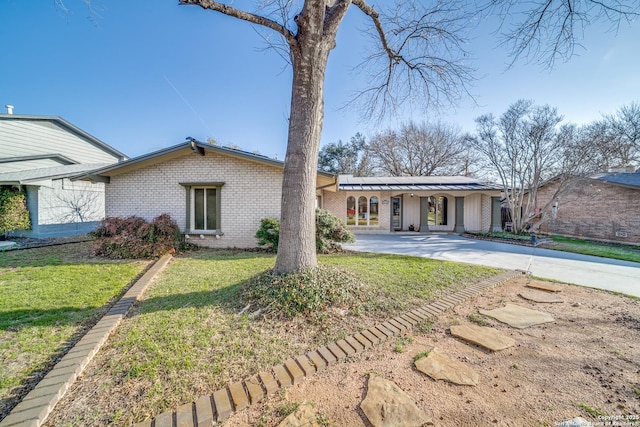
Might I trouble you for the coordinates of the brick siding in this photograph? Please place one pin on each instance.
(594, 209)
(251, 191)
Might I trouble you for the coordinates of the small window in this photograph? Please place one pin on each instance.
(373, 211)
(351, 210)
(203, 208)
(363, 216)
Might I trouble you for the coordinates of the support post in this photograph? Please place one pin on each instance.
(459, 227)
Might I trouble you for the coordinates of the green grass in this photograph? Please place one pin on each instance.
(605, 250)
(187, 337)
(591, 411)
(49, 295)
(579, 246)
(479, 319)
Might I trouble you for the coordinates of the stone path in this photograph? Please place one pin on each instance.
(386, 404)
(236, 396)
(518, 317)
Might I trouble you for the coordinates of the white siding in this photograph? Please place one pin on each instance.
(473, 212)
(69, 202)
(24, 137)
(29, 164)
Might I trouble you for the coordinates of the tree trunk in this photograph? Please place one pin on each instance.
(297, 248)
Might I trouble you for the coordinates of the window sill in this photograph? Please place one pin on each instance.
(203, 233)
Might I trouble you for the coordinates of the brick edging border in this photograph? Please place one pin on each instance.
(238, 395)
(34, 408)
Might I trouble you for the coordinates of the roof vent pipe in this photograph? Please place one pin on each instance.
(9, 109)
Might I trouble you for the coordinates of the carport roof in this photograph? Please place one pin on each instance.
(414, 183)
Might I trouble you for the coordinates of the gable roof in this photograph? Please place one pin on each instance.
(191, 146)
(29, 135)
(413, 183)
(33, 176)
(625, 179)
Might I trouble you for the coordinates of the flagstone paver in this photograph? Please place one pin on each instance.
(546, 286)
(518, 317)
(485, 337)
(303, 416)
(541, 297)
(440, 367)
(386, 404)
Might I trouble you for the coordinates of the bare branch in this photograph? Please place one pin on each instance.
(419, 57)
(547, 30)
(245, 16)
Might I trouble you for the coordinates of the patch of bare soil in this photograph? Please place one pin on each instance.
(585, 363)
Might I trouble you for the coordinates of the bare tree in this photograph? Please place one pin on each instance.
(420, 150)
(625, 133)
(419, 56)
(526, 147)
(416, 44)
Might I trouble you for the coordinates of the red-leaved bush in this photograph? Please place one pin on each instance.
(133, 237)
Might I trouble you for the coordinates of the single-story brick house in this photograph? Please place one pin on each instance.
(417, 203)
(41, 155)
(604, 206)
(219, 195)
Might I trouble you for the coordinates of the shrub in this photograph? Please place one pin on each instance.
(330, 232)
(269, 233)
(13, 211)
(133, 237)
(307, 292)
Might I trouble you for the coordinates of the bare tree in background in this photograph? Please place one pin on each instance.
(615, 139)
(526, 146)
(420, 150)
(625, 133)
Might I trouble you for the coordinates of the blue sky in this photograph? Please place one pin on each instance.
(144, 74)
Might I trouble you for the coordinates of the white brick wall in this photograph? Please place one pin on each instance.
(251, 191)
(486, 213)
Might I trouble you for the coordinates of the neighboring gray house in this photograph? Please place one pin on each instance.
(40, 154)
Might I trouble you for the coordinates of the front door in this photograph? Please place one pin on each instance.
(396, 213)
(424, 213)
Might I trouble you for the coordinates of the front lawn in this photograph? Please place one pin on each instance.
(49, 297)
(568, 244)
(587, 247)
(187, 337)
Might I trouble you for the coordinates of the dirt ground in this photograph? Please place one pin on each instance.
(586, 363)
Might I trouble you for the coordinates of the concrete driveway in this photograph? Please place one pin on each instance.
(595, 272)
